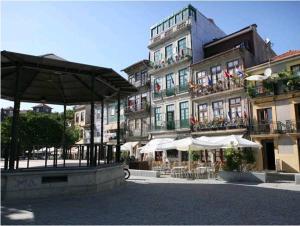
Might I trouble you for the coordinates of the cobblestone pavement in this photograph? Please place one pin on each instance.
(165, 201)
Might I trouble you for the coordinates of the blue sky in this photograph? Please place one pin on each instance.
(116, 34)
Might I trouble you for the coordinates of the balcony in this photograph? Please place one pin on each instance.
(183, 55)
(137, 108)
(274, 87)
(277, 127)
(170, 33)
(171, 125)
(198, 90)
(138, 133)
(141, 83)
(220, 124)
(171, 91)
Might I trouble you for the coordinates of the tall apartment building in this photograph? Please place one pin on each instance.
(276, 113)
(220, 103)
(175, 44)
(138, 105)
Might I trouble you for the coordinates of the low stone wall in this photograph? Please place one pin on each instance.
(48, 183)
(297, 178)
(144, 173)
(254, 177)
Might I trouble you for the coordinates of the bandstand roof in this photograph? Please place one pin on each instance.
(53, 80)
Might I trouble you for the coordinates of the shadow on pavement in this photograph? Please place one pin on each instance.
(163, 203)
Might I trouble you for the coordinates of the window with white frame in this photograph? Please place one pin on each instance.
(202, 112)
(201, 78)
(157, 115)
(216, 74)
(183, 77)
(231, 65)
(157, 56)
(295, 69)
(218, 110)
(235, 108)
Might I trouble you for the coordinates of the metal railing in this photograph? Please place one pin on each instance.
(53, 156)
(143, 106)
(171, 91)
(220, 124)
(144, 132)
(197, 90)
(141, 83)
(183, 54)
(171, 125)
(277, 127)
(274, 87)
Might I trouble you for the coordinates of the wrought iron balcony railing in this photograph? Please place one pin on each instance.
(142, 107)
(277, 127)
(171, 91)
(183, 54)
(220, 124)
(274, 87)
(171, 125)
(198, 90)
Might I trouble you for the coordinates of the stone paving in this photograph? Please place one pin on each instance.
(165, 201)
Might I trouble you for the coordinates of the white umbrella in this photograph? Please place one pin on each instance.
(238, 141)
(153, 145)
(188, 144)
(129, 146)
(256, 78)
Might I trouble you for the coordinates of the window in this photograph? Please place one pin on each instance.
(160, 28)
(235, 108)
(185, 14)
(218, 110)
(154, 31)
(157, 116)
(296, 69)
(144, 77)
(157, 56)
(168, 53)
(178, 18)
(264, 115)
(184, 110)
(112, 110)
(169, 81)
(181, 46)
(172, 21)
(157, 85)
(216, 74)
(183, 77)
(166, 25)
(131, 79)
(201, 78)
(137, 76)
(231, 66)
(202, 112)
(82, 116)
(77, 117)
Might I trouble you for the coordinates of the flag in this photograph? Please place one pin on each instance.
(245, 114)
(209, 81)
(172, 80)
(266, 115)
(237, 114)
(157, 86)
(229, 115)
(227, 74)
(239, 72)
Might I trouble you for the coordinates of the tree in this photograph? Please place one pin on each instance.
(40, 129)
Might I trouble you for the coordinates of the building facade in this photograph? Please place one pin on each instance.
(175, 44)
(219, 99)
(275, 108)
(42, 108)
(138, 105)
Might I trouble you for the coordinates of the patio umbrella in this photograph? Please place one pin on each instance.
(129, 146)
(238, 142)
(189, 144)
(256, 78)
(154, 144)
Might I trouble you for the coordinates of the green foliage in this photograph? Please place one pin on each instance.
(38, 128)
(237, 160)
(195, 156)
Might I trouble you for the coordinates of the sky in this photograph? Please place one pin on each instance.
(116, 34)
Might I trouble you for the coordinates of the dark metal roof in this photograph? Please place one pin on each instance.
(129, 69)
(42, 105)
(234, 34)
(56, 81)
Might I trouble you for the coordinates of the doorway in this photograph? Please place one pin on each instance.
(268, 155)
(170, 117)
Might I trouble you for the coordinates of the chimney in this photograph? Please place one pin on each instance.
(211, 20)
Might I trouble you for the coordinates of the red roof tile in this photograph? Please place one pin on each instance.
(290, 53)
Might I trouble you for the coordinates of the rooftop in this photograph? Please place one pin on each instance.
(42, 105)
(290, 53)
(135, 65)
